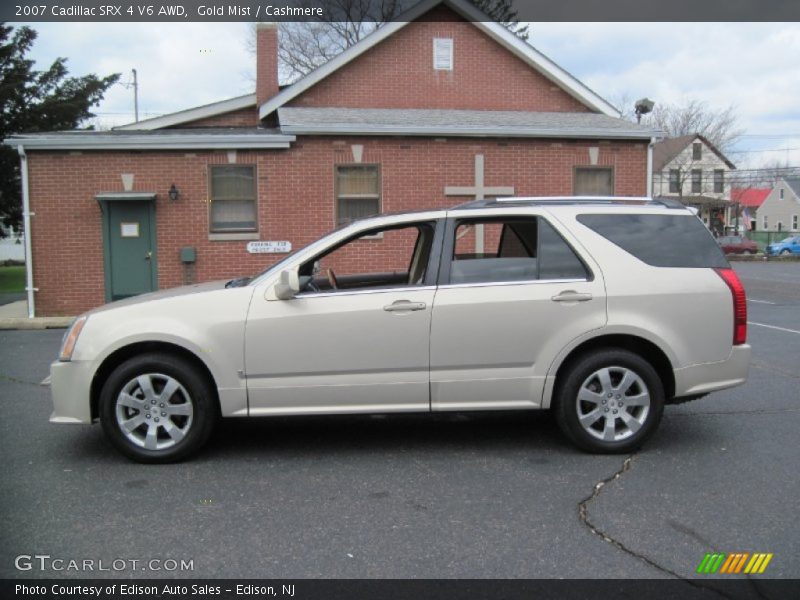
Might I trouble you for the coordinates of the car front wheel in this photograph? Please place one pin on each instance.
(609, 401)
(157, 408)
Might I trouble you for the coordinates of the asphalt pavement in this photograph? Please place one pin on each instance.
(463, 495)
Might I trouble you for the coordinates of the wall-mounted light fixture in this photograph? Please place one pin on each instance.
(173, 193)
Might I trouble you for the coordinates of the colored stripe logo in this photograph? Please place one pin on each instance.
(736, 562)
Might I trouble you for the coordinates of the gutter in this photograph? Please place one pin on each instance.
(649, 184)
(26, 216)
(436, 131)
(153, 142)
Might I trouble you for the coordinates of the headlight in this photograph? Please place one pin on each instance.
(68, 345)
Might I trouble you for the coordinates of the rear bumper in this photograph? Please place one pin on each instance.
(712, 377)
(70, 384)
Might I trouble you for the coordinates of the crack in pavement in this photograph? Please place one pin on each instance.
(583, 514)
(773, 369)
(10, 379)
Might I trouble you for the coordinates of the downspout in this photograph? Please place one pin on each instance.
(26, 216)
(649, 186)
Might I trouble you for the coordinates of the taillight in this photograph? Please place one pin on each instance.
(730, 277)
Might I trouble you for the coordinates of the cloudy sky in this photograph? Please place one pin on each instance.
(753, 66)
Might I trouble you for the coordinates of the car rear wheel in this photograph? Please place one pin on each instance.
(609, 401)
(157, 408)
(786, 251)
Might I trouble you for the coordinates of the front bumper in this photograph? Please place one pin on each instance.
(712, 377)
(70, 385)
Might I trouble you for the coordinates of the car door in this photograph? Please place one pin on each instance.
(354, 341)
(501, 315)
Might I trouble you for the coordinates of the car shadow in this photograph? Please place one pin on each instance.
(344, 434)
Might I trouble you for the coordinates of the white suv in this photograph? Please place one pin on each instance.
(602, 309)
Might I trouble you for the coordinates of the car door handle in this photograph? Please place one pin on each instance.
(571, 296)
(403, 306)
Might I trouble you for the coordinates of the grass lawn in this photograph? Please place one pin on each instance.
(12, 279)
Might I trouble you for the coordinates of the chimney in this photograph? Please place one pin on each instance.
(266, 61)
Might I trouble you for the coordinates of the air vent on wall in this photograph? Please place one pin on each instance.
(443, 54)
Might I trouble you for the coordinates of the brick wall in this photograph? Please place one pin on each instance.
(398, 73)
(295, 199)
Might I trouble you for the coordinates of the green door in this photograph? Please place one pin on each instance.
(130, 251)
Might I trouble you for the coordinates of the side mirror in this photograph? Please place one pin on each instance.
(288, 285)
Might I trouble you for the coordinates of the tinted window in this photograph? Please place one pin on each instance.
(556, 258)
(660, 240)
(511, 250)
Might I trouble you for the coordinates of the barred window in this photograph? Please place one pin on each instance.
(358, 192)
(232, 198)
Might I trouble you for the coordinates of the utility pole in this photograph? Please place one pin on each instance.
(135, 96)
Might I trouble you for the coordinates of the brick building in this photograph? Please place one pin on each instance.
(427, 112)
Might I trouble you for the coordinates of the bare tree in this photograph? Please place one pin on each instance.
(305, 46)
(719, 126)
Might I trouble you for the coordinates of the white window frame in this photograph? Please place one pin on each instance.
(441, 45)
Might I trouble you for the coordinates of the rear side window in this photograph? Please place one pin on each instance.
(506, 250)
(660, 240)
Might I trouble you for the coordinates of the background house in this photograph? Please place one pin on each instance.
(438, 108)
(780, 210)
(748, 201)
(693, 170)
(12, 245)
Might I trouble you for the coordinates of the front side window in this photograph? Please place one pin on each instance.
(697, 181)
(507, 250)
(232, 201)
(358, 192)
(719, 181)
(594, 181)
(674, 181)
(380, 258)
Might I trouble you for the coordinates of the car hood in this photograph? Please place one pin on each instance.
(185, 290)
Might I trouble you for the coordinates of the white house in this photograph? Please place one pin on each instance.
(781, 210)
(12, 245)
(694, 171)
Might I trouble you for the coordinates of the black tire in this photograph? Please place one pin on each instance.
(567, 407)
(194, 390)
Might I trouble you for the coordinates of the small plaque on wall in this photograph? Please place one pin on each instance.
(129, 230)
(272, 247)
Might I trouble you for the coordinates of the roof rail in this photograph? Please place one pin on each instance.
(571, 200)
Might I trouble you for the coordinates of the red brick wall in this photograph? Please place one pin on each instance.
(295, 199)
(244, 117)
(398, 73)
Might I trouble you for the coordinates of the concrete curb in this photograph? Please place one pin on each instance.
(762, 258)
(36, 323)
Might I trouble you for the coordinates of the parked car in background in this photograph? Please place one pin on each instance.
(577, 305)
(789, 245)
(736, 244)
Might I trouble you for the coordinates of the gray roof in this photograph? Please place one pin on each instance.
(476, 123)
(794, 183)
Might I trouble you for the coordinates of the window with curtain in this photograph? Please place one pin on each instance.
(594, 181)
(232, 198)
(358, 192)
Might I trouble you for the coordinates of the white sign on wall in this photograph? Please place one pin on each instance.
(271, 247)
